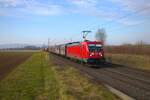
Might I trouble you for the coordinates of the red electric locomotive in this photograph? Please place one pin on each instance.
(90, 52)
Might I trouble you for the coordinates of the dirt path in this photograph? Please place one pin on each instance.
(9, 61)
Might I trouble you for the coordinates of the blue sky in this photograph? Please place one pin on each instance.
(34, 21)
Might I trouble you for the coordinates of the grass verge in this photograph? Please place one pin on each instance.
(75, 86)
(136, 61)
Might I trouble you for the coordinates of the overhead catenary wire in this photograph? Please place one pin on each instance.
(117, 29)
(126, 16)
(118, 19)
(129, 14)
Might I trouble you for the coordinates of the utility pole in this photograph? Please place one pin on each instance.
(85, 33)
(70, 39)
(48, 43)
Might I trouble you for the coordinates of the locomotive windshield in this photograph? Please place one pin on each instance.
(95, 47)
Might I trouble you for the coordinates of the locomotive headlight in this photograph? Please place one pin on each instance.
(91, 54)
(100, 54)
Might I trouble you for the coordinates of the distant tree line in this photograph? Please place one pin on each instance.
(140, 48)
(24, 48)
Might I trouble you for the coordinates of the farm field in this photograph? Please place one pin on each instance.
(130, 60)
(10, 60)
(39, 78)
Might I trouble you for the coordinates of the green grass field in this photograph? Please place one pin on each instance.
(29, 80)
(38, 78)
(136, 61)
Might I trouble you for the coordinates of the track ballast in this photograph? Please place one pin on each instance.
(133, 82)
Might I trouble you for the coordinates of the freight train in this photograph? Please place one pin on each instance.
(90, 52)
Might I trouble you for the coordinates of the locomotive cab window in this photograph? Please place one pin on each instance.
(95, 47)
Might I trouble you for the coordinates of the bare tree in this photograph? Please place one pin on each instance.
(101, 35)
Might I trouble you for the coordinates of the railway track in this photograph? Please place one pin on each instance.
(133, 82)
(130, 86)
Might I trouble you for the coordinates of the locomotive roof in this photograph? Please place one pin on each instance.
(78, 42)
(73, 42)
(88, 41)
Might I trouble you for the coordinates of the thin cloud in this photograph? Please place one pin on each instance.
(11, 3)
(140, 9)
(46, 10)
(138, 6)
(86, 7)
(129, 22)
(83, 3)
(29, 7)
(93, 8)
